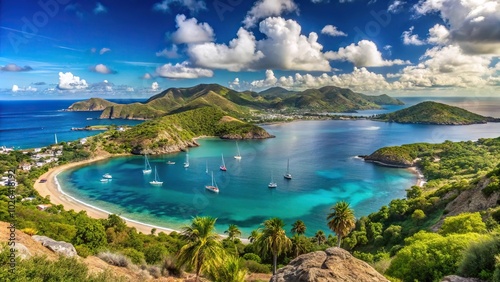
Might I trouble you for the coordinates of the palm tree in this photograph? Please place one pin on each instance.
(254, 235)
(341, 220)
(320, 237)
(232, 232)
(273, 239)
(203, 248)
(299, 227)
(299, 245)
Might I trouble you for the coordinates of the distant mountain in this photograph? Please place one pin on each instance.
(241, 104)
(435, 113)
(92, 104)
(276, 92)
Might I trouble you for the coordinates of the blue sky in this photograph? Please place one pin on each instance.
(133, 48)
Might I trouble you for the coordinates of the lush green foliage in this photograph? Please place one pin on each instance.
(433, 113)
(273, 240)
(479, 259)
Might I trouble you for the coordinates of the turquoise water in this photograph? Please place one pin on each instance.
(322, 162)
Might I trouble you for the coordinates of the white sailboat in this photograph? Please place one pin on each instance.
(223, 165)
(186, 163)
(272, 184)
(147, 166)
(213, 187)
(107, 176)
(157, 179)
(238, 156)
(288, 175)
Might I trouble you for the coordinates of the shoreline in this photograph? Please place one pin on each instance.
(57, 196)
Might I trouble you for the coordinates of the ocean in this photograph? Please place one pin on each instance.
(322, 158)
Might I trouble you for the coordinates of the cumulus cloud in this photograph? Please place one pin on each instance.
(448, 66)
(363, 54)
(15, 68)
(104, 50)
(239, 54)
(359, 80)
(101, 86)
(190, 31)
(100, 9)
(68, 81)
(284, 47)
(332, 31)
(182, 71)
(15, 88)
(235, 84)
(439, 35)
(100, 68)
(155, 86)
(411, 39)
(396, 6)
(192, 5)
(169, 53)
(146, 76)
(267, 8)
(472, 24)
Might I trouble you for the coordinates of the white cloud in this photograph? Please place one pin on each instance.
(192, 5)
(104, 50)
(190, 31)
(100, 68)
(170, 54)
(267, 8)
(411, 39)
(439, 35)
(235, 84)
(155, 86)
(332, 31)
(396, 6)
(146, 76)
(68, 81)
(15, 88)
(448, 66)
(182, 71)
(239, 54)
(363, 54)
(472, 24)
(284, 47)
(359, 80)
(100, 9)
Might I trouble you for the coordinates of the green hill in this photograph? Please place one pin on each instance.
(92, 104)
(240, 104)
(176, 132)
(434, 113)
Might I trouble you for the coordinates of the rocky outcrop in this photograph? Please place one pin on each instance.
(454, 278)
(22, 251)
(59, 247)
(333, 264)
(260, 134)
(389, 160)
(471, 200)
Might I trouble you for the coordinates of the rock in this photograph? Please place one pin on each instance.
(22, 251)
(334, 264)
(59, 247)
(454, 278)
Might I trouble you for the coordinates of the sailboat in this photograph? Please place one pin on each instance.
(147, 166)
(157, 179)
(287, 174)
(55, 138)
(223, 165)
(272, 184)
(213, 187)
(238, 157)
(186, 163)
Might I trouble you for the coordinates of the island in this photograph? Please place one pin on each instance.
(434, 113)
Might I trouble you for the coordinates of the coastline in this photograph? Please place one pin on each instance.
(52, 189)
(421, 181)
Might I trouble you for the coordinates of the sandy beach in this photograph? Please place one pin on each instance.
(57, 197)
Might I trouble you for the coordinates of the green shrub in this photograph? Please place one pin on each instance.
(134, 255)
(256, 267)
(83, 251)
(479, 259)
(252, 256)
